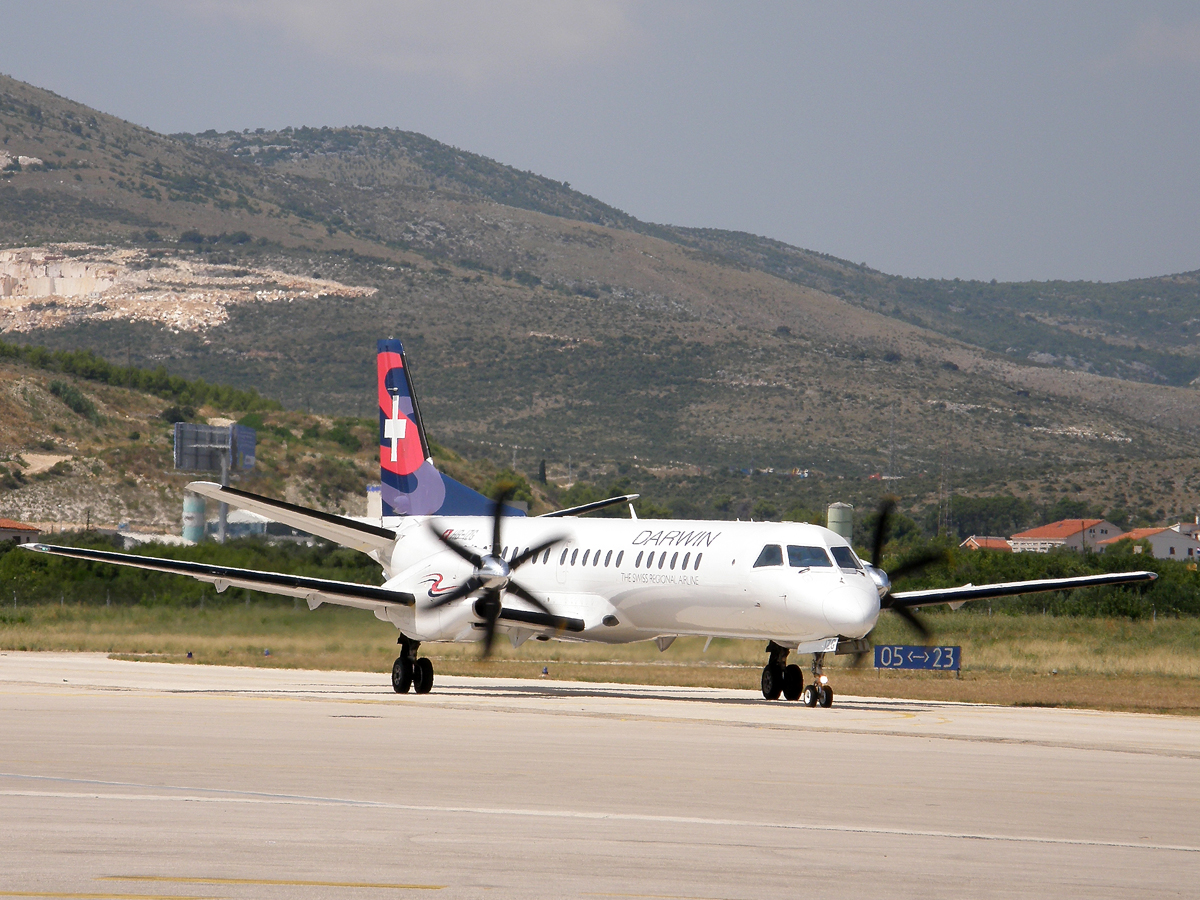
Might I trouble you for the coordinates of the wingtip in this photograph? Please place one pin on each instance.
(201, 487)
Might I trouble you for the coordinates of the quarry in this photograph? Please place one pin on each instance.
(55, 285)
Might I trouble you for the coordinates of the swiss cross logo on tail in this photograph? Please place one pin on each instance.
(410, 484)
(401, 449)
(395, 427)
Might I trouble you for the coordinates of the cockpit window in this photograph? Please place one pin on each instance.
(772, 555)
(804, 557)
(846, 559)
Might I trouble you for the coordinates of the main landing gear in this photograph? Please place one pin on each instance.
(409, 671)
(778, 677)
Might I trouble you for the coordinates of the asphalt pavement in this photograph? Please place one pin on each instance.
(122, 779)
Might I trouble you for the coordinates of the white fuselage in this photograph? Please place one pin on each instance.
(637, 579)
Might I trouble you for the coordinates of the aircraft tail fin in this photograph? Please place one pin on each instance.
(411, 483)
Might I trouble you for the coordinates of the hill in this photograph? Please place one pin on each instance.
(1142, 330)
(84, 443)
(542, 323)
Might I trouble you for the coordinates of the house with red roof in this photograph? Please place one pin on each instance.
(979, 542)
(1165, 543)
(11, 530)
(1078, 534)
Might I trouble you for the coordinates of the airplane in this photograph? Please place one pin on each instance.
(458, 566)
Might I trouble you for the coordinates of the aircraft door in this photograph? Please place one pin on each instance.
(766, 595)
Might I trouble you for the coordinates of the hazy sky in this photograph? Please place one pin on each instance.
(1010, 141)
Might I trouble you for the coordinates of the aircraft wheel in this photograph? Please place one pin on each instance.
(422, 681)
(825, 696)
(772, 682)
(810, 695)
(793, 682)
(402, 675)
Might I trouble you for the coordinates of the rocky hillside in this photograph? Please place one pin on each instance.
(85, 443)
(544, 322)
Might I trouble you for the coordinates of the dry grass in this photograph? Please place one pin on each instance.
(1009, 660)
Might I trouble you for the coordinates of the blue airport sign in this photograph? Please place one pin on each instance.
(898, 656)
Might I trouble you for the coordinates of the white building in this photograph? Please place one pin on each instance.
(1078, 534)
(1165, 543)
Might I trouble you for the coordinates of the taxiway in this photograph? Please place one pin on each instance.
(122, 779)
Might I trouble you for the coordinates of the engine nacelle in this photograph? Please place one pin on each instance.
(883, 584)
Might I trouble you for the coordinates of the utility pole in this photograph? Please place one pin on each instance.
(223, 508)
(891, 470)
(942, 504)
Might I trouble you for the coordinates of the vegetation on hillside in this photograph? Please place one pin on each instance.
(543, 324)
(87, 365)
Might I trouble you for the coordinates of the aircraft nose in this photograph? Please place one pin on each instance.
(852, 610)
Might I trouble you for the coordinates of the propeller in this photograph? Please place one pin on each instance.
(884, 580)
(493, 574)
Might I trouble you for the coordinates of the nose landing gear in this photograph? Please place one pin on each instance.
(778, 677)
(821, 692)
(409, 671)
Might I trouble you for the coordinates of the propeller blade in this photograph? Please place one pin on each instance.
(881, 529)
(497, 514)
(532, 552)
(513, 588)
(469, 586)
(914, 622)
(917, 563)
(458, 548)
(488, 608)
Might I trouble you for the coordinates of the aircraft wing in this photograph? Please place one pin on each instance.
(313, 590)
(958, 595)
(339, 529)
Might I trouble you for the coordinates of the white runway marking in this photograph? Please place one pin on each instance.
(192, 795)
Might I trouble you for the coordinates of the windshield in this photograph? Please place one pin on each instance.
(771, 555)
(804, 557)
(845, 558)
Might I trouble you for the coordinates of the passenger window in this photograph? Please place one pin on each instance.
(674, 556)
(686, 557)
(636, 563)
(585, 556)
(596, 558)
(650, 560)
(504, 552)
(699, 556)
(574, 556)
(662, 558)
(563, 559)
(771, 555)
(607, 558)
(803, 557)
(620, 556)
(546, 558)
(846, 559)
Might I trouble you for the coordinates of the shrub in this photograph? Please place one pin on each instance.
(74, 400)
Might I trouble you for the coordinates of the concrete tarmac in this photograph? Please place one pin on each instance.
(153, 780)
